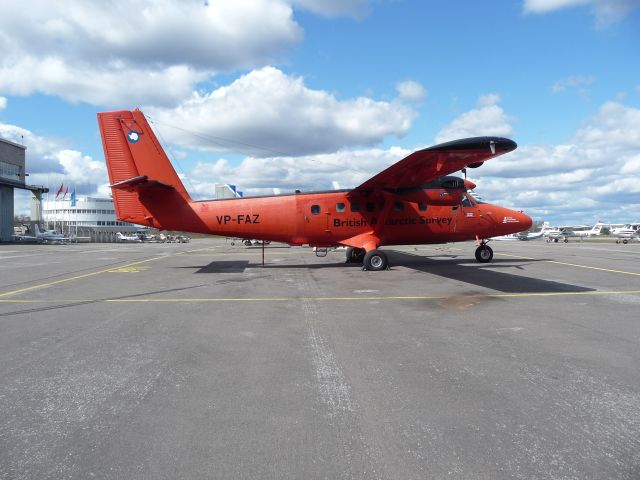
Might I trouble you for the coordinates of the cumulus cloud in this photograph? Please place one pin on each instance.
(3, 103)
(49, 163)
(411, 90)
(591, 176)
(99, 51)
(572, 82)
(606, 12)
(266, 113)
(256, 176)
(488, 119)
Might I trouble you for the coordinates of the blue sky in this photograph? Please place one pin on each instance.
(318, 94)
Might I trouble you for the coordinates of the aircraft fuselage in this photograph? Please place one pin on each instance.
(330, 219)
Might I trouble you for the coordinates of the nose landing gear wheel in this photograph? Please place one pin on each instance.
(375, 260)
(484, 254)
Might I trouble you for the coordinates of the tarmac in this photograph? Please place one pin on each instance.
(166, 361)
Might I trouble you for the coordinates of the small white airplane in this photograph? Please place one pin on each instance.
(127, 238)
(554, 234)
(519, 236)
(48, 236)
(627, 232)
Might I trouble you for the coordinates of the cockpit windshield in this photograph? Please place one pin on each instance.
(468, 202)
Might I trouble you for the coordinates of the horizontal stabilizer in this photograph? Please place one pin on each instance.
(141, 182)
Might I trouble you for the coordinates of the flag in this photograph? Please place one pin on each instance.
(73, 197)
(60, 190)
(65, 192)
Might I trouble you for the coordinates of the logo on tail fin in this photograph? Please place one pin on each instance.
(133, 136)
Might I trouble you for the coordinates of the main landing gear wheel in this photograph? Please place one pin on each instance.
(375, 260)
(484, 254)
(355, 255)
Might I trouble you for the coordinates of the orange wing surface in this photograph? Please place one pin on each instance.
(437, 161)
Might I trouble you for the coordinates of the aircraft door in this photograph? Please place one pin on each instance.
(470, 217)
(316, 220)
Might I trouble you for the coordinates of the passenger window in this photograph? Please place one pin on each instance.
(370, 206)
(381, 205)
(340, 207)
(398, 206)
(422, 207)
(355, 207)
(315, 209)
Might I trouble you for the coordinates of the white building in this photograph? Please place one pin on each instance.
(91, 218)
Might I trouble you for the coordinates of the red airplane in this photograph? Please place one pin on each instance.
(411, 202)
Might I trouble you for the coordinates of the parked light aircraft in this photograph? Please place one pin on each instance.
(522, 236)
(626, 232)
(554, 234)
(127, 238)
(47, 236)
(411, 202)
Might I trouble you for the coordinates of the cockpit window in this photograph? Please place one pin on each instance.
(467, 202)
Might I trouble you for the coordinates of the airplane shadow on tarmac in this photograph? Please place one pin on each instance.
(462, 269)
(466, 270)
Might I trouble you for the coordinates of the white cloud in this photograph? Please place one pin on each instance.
(257, 176)
(488, 119)
(81, 169)
(3, 103)
(606, 11)
(266, 112)
(411, 90)
(97, 51)
(571, 82)
(592, 176)
(49, 163)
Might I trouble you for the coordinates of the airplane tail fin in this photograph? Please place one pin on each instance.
(142, 179)
(37, 229)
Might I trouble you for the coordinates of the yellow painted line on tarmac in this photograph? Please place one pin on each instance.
(572, 264)
(593, 268)
(77, 277)
(367, 298)
(326, 299)
(519, 257)
(8, 300)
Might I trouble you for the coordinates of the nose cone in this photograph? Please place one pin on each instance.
(513, 221)
(525, 220)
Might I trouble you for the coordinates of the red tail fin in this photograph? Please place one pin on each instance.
(139, 171)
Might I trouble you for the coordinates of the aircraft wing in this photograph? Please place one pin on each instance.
(425, 165)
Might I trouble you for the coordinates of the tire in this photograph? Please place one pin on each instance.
(625, 241)
(484, 254)
(375, 260)
(247, 243)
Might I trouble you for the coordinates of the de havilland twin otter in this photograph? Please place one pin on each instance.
(412, 202)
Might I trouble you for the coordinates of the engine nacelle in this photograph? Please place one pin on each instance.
(444, 191)
(436, 196)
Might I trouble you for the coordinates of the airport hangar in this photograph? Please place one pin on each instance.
(12, 176)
